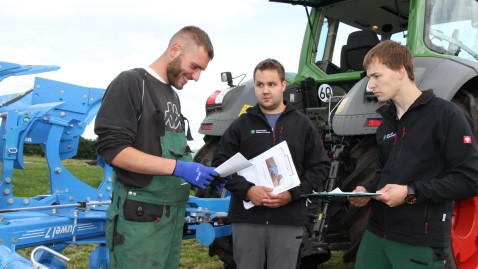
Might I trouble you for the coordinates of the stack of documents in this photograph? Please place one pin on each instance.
(273, 168)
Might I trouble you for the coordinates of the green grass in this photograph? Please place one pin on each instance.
(34, 180)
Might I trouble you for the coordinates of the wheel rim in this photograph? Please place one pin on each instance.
(464, 233)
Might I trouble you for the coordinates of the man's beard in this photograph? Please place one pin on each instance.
(174, 73)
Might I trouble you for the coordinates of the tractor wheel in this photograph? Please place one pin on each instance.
(206, 152)
(222, 246)
(365, 165)
(204, 156)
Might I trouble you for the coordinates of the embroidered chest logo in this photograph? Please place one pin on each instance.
(171, 116)
(388, 136)
(264, 131)
(467, 139)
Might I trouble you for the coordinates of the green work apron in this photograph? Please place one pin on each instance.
(144, 227)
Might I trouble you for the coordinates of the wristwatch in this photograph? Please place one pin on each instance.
(411, 198)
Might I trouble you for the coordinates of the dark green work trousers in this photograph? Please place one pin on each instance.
(376, 252)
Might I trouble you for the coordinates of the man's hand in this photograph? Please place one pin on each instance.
(392, 194)
(257, 194)
(359, 201)
(277, 200)
(195, 173)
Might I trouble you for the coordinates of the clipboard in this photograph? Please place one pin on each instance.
(342, 194)
(339, 193)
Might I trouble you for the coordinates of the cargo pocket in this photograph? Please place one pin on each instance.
(138, 211)
(112, 216)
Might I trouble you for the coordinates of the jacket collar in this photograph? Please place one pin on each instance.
(257, 110)
(391, 109)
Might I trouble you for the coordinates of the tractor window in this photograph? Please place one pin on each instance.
(332, 38)
(452, 28)
(342, 35)
(322, 40)
(333, 35)
(400, 37)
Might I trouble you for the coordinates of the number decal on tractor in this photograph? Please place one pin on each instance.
(324, 92)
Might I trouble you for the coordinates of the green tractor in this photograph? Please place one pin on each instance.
(330, 87)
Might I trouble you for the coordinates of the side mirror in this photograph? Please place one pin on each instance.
(227, 77)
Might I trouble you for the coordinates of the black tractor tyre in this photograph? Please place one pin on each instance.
(206, 152)
(364, 156)
(204, 156)
(468, 102)
(222, 246)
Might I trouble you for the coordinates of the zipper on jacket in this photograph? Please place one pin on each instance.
(426, 218)
(400, 143)
(280, 133)
(402, 140)
(274, 140)
(393, 150)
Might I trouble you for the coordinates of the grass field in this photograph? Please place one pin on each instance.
(34, 180)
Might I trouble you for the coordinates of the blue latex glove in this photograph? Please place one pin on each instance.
(195, 173)
(220, 186)
(220, 182)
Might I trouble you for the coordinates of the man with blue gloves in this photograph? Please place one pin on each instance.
(141, 133)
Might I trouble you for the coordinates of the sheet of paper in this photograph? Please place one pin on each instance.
(248, 205)
(231, 166)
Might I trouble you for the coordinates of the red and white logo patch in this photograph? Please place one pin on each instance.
(467, 139)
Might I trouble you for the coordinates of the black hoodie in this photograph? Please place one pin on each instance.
(251, 135)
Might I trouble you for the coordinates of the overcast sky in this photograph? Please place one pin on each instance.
(93, 41)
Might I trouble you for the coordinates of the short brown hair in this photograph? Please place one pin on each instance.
(197, 35)
(270, 64)
(391, 54)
